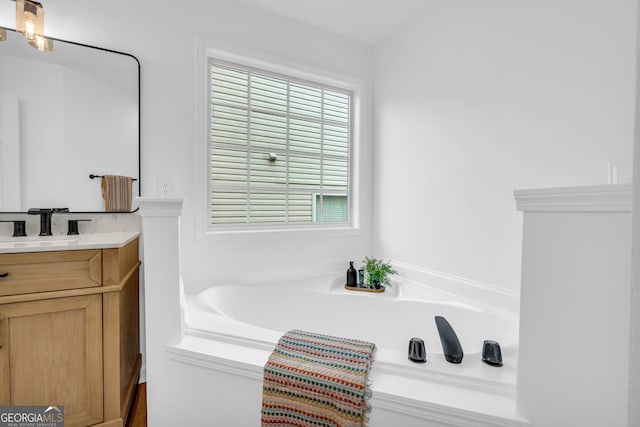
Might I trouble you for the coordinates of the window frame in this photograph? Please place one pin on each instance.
(297, 73)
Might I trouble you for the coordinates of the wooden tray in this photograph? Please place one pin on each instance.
(351, 288)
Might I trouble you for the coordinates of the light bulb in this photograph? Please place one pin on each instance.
(42, 43)
(29, 27)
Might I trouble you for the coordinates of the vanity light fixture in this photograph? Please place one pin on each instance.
(29, 18)
(30, 23)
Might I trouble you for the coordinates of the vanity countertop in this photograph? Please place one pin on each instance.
(66, 243)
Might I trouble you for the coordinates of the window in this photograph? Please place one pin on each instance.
(279, 149)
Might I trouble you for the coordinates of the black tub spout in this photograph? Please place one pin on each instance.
(450, 344)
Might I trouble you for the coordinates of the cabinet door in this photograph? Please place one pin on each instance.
(51, 354)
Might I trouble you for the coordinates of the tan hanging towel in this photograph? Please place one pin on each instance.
(116, 191)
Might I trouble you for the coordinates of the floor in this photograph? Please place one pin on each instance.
(138, 415)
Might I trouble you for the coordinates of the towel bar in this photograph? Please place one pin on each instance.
(92, 176)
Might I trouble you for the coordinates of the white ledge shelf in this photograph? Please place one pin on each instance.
(595, 198)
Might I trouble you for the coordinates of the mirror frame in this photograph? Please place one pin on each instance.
(139, 177)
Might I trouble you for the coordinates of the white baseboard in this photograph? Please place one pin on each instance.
(143, 374)
(463, 287)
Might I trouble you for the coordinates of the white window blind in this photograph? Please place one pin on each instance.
(279, 148)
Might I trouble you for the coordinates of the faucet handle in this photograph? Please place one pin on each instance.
(19, 228)
(73, 226)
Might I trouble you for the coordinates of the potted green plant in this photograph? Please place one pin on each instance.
(377, 272)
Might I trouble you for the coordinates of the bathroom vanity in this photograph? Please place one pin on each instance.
(69, 325)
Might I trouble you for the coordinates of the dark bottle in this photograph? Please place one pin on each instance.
(352, 276)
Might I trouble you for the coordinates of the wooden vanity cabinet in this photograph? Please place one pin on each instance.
(74, 345)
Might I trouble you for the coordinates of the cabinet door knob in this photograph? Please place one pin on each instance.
(3, 275)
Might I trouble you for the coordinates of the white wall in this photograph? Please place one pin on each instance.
(163, 36)
(9, 152)
(634, 333)
(55, 123)
(102, 138)
(41, 101)
(476, 99)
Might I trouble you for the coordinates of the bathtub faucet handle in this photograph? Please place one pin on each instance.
(417, 350)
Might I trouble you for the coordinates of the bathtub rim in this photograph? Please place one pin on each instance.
(445, 378)
(211, 355)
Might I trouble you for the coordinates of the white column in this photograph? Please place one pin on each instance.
(164, 315)
(574, 318)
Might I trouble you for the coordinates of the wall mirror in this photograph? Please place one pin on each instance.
(66, 115)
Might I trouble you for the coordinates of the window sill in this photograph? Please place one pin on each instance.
(291, 232)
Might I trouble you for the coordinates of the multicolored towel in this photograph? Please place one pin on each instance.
(317, 380)
(116, 191)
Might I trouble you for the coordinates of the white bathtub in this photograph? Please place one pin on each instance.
(255, 316)
(388, 319)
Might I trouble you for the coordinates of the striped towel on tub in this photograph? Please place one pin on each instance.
(317, 380)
